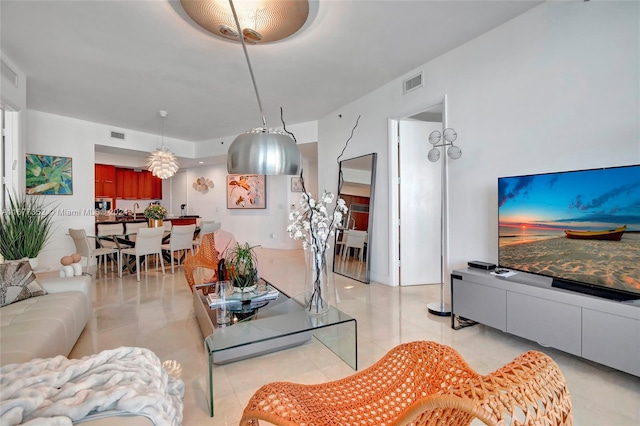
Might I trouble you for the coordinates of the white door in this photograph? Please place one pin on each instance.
(419, 200)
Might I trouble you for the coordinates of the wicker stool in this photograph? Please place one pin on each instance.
(421, 383)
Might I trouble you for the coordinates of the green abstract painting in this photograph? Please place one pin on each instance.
(49, 175)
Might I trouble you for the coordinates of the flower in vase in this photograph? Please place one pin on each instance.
(314, 225)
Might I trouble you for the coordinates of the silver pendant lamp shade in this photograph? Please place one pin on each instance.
(265, 152)
(262, 151)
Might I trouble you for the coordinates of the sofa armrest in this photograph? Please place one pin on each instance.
(55, 284)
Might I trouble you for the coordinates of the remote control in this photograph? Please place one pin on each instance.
(501, 271)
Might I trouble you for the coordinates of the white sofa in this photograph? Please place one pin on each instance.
(48, 325)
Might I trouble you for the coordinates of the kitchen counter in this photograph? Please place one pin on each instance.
(139, 218)
(120, 219)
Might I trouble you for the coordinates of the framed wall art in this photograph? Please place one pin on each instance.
(246, 192)
(296, 184)
(49, 175)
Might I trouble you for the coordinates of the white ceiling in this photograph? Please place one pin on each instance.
(119, 62)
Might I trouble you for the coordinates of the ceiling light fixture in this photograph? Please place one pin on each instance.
(262, 21)
(262, 150)
(162, 163)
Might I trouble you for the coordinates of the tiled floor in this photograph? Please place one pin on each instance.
(157, 313)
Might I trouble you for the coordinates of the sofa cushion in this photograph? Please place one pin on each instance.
(17, 282)
(42, 327)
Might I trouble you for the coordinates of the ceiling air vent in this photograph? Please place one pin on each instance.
(9, 74)
(117, 135)
(412, 83)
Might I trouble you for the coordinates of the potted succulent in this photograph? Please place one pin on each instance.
(155, 214)
(242, 267)
(25, 227)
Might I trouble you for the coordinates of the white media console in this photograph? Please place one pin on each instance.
(601, 330)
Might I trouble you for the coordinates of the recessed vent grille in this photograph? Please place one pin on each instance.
(117, 135)
(412, 83)
(9, 74)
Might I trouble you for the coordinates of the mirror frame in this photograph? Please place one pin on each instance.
(374, 158)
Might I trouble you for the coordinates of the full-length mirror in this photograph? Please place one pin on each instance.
(356, 186)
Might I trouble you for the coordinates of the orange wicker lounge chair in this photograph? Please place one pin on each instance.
(422, 383)
(206, 257)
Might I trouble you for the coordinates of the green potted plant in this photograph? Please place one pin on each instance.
(155, 214)
(242, 266)
(25, 227)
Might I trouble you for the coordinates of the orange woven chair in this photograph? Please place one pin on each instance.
(206, 257)
(421, 383)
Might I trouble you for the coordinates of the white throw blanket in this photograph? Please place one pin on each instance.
(57, 391)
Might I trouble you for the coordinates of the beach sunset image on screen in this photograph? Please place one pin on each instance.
(582, 226)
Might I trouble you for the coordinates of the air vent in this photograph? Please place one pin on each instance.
(117, 135)
(9, 74)
(412, 83)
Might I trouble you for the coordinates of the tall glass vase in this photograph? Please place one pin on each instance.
(317, 283)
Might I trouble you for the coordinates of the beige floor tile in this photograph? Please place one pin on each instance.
(157, 313)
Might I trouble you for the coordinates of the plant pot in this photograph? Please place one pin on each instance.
(33, 261)
(155, 223)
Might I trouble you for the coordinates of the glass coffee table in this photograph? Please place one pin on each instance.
(280, 324)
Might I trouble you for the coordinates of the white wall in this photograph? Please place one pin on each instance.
(63, 136)
(554, 89)
(50, 134)
(266, 227)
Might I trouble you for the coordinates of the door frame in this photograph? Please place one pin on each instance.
(393, 123)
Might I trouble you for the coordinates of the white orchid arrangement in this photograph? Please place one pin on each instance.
(312, 222)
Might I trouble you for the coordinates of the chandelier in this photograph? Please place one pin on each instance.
(162, 163)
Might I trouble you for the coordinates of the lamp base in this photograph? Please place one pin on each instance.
(437, 308)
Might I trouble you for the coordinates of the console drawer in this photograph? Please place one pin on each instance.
(544, 321)
(486, 305)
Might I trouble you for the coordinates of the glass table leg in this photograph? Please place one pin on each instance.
(209, 354)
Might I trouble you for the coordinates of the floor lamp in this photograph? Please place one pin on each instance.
(442, 140)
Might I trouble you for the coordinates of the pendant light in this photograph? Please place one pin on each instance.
(162, 163)
(262, 150)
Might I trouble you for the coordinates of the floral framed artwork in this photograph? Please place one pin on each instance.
(48, 175)
(246, 192)
(296, 184)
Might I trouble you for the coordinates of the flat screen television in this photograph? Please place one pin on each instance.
(581, 228)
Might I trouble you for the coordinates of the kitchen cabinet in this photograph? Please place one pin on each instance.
(135, 184)
(149, 186)
(358, 215)
(105, 181)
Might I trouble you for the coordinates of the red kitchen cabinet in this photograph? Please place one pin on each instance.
(105, 181)
(137, 185)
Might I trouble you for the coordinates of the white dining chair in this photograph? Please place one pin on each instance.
(206, 227)
(167, 225)
(148, 241)
(131, 229)
(181, 241)
(85, 249)
(107, 231)
(355, 240)
(341, 239)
